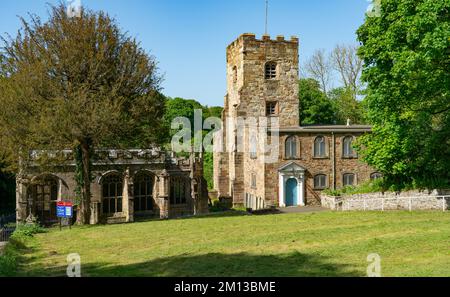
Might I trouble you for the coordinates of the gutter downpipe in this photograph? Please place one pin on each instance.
(334, 159)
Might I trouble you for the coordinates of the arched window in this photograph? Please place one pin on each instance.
(180, 189)
(270, 70)
(290, 147)
(375, 175)
(320, 181)
(143, 192)
(349, 179)
(112, 186)
(347, 148)
(319, 147)
(45, 194)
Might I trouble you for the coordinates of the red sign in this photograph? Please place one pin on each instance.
(64, 203)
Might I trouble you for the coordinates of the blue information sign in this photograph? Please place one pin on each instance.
(64, 210)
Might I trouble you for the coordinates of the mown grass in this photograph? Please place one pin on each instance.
(313, 244)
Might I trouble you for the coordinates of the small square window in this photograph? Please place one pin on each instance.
(320, 181)
(271, 108)
(349, 179)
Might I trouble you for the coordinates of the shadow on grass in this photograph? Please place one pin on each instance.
(218, 265)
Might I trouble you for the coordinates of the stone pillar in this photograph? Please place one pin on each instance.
(22, 206)
(125, 196)
(164, 205)
(131, 200)
(195, 196)
(94, 220)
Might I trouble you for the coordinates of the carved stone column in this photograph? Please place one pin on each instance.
(22, 205)
(125, 196)
(164, 205)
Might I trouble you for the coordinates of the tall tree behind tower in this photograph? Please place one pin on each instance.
(77, 82)
(319, 68)
(347, 63)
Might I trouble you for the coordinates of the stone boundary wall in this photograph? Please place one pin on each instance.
(410, 200)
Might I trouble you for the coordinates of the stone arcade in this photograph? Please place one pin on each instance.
(262, 81)
(127, 184)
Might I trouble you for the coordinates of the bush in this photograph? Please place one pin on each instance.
(218, 206)
(17, 242)
(25, 230)
(367, 187)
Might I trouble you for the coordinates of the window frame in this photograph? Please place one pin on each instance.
(273, 104)
(375, 173)
(147, 196)
(352, 155)
(325, 150)
(179, 184)
(344, 175)
(118, 197)
(270, 70)
(292, 139)
(316, 187)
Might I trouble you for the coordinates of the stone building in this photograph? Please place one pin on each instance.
(262, 81)
(126, 184)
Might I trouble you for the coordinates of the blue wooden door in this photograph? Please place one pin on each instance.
(291, 192)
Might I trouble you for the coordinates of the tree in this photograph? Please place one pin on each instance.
(314, 105)
(179, 107)
(347, 106)
(406, 53)
(319, 68)
(347, 63)
(77, 82)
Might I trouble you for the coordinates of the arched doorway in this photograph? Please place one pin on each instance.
(291, 192)
(44, 195)
(291, 185)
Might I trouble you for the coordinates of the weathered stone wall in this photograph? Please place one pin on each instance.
(127, 168)
(305, 158)
(248, 91)
(408, 200)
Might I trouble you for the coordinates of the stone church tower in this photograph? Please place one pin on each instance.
(262, 81)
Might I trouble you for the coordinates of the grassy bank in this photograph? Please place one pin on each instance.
(314, 244)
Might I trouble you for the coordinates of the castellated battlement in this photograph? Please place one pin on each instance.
(264, 38)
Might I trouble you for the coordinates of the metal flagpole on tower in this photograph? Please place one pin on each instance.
(267, 15)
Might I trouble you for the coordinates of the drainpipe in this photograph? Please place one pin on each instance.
(333, 160)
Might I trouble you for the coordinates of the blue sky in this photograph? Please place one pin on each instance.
(188, 38)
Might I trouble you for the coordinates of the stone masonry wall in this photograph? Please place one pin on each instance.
(314, 166)
(408, 200)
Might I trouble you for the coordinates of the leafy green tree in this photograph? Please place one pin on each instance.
(179, 107)
(213, 111)
(406, 53)
(314, 105)
(77, 82)
(346, 106)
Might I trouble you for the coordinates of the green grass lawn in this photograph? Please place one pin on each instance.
(311, 244)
